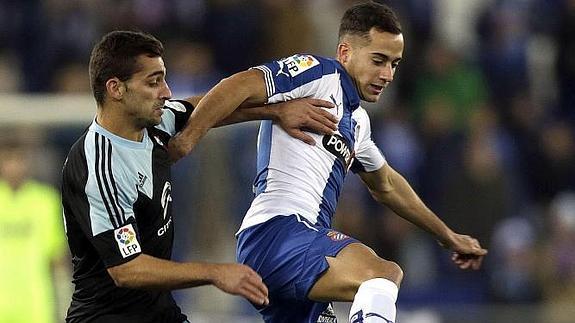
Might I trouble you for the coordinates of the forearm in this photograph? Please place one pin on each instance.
(249, 114)
(147, 272)
(395, 192)
(405, 202)
(242, 89)
(245, 112)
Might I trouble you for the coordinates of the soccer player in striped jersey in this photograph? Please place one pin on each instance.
(116, 190)
(286, 235)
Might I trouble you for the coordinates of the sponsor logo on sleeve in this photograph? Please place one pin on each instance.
(127, 241)
(297, 64)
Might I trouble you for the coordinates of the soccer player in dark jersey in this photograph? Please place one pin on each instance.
(116, 190)
(286, 235)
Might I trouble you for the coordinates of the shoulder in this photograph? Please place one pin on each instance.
(299, 65)
(360, 115)
(77, 153)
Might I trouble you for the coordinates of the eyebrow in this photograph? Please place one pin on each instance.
(385, 57)
(155, 73)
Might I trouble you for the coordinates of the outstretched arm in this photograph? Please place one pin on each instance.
(244, 88)
(293, 116)
(388, 187)
(147, 272)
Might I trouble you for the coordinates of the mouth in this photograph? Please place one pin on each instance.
(159, 110)
(375, 89)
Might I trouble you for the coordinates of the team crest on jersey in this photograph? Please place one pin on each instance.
(337, 236)
(127, 241)
(297, 64)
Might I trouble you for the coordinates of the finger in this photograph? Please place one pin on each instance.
(319, 127)
(464, 261)
(258, 283)
(460, 262)
(320, 103)
(327, 119)
(257, 289)
(481, 252)
(456, 259)
(254, 296)
(465, 265)
(298, 134)
(477, 263)
(328, 115)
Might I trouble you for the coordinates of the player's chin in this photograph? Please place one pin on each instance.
(153, 121)
(371, 96)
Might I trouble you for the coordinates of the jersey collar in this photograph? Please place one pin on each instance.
(348, 86)
(95, 127)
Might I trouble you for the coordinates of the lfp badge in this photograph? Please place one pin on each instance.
(127, 241)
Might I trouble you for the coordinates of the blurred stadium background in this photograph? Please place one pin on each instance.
(480, 119)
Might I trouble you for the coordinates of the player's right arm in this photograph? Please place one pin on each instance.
(98, 198)
(147, 272)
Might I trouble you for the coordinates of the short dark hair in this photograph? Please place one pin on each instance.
(115, 56)
(359, 19)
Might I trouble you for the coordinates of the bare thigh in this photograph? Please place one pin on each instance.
(353, 265)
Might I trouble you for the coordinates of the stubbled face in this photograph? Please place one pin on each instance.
(146, 92)
(371, 63)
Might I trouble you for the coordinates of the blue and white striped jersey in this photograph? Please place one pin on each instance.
(297, 178)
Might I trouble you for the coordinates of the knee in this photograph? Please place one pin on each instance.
(386, 269)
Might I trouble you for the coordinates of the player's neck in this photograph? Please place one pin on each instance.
(119, 124)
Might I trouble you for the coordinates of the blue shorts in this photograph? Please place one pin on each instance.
(289, 253)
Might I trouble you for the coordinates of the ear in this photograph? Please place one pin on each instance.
(115, 88)
(343, 52)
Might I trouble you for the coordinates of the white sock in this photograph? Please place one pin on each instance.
(374, 302)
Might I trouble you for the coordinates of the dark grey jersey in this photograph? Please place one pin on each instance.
(116, 197)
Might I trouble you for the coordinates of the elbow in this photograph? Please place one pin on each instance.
(380, 196)
(121, 276)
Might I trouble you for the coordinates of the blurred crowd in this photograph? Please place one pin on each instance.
(480, 119)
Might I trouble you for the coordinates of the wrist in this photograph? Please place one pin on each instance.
(275, 111)
(214, 272)
(447, 238)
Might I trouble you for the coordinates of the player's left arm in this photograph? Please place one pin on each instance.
(293, 116)
(246, 88)
(388, 187)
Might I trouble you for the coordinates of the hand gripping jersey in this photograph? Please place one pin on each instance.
(116, 197)
(297, 178)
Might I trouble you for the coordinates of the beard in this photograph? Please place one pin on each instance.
(148, 122)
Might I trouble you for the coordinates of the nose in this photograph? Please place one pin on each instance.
(386, 73)
(166, 93)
